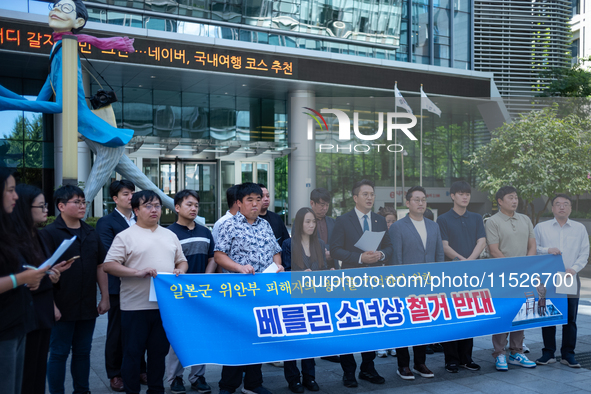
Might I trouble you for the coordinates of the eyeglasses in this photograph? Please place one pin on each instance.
(65, 7)
(150, 207)
(78, 202)
(367, 195)
(42, 207)
(563, 205)
(419, 200)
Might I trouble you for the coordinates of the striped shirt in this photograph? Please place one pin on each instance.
(197, 246)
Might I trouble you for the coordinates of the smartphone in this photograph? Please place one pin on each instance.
(72, 259)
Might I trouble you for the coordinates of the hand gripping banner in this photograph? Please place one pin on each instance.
(238, 319)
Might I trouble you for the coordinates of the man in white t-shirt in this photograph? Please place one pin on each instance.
(137, 254)
(416, 240)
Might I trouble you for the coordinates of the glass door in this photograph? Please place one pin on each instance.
(168, 178)
(202, 177)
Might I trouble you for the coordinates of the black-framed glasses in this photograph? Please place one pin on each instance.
(43, 207)
(63, 7)
(78, 202)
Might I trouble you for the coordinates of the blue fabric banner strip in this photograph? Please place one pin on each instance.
(237, 319)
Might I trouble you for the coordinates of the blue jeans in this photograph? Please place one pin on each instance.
(66, 335)
(12, 359)
(569, 333)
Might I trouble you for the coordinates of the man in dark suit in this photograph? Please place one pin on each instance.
(108, 227)
(347, 231)
(320, 202)
(416, 240)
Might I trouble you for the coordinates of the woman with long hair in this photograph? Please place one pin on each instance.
(16, 305)
(29, 212)
(304, 251)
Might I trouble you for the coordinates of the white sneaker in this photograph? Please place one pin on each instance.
(521, 360)
(525, 348)
(382, 353)
(501, 363)
(278, 364)
(393, 352)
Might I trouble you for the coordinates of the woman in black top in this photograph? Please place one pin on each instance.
(16, 302)
(29, 212)
(304, 251)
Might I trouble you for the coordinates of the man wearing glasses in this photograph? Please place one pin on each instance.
(137, 254)
(569, 239)
(416, 240)
(75, 296)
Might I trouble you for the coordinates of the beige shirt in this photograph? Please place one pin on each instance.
(139, 248)
(511, 233)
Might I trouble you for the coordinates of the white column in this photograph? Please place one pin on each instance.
(302, 160)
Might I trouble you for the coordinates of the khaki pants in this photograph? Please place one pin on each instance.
(515, 343)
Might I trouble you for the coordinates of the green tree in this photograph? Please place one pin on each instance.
(539, 154)
(568, 82)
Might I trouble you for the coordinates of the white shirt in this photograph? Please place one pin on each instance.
(421, 229)
(216, 226)
(362, 220)
(130, 222)
(571, 239)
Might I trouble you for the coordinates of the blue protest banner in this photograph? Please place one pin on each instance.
(238, 319)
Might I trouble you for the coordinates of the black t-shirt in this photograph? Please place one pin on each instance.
(279, 229)
(197, 246)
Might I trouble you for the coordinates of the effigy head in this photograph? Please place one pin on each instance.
(67, 16)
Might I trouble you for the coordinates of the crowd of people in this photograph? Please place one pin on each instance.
(51, 312)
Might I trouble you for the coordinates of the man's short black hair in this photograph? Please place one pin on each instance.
(428, 214)
(231, 196)
(320, 194)
(262, 186)
(180, 196)
(561, 195)
(363, 182)
(504, 191)
(143, 197)
(246, 189)
(116, 187)
(65, 193)
(460, 187)
(415, 189)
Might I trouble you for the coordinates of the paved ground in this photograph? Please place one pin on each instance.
(555, 378)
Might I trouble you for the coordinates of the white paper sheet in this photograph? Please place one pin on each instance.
(58, 253)
(271, 269)
(370, 241)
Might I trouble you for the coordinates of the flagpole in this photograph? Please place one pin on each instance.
(395, 142)
(421, 147)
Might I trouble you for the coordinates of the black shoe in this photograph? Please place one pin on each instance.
(296, 387)
(332, 359)
(472, 366)
(428, 349)
(452, 368)
(437, 347)
(349, 380)
(372, 377)
(311, 385)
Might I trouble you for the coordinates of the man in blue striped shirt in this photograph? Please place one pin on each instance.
(198, 245)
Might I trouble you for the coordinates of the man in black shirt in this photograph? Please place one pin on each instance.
(279, 229)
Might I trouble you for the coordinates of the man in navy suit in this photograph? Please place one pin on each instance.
(320, 202)
(347, 231)
(416, 240)
(108, 227)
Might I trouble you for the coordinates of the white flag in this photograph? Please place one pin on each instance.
(427, 104)
(400, 101)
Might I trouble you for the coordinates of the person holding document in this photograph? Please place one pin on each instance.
(569, 239)
(16, 303)
(416, 240)
(348, 230)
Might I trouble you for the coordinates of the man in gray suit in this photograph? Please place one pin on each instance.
(416, 240)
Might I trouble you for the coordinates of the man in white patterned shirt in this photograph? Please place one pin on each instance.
(570, 239)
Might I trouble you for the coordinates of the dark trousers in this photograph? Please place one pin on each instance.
(458, 352)
(292, 373)
(569, 332)
(113, 346)
(349, 365)
(142, 331)
(403, 355)
(232, 377)
(36, 351)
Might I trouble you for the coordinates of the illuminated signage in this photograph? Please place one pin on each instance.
(38, 39)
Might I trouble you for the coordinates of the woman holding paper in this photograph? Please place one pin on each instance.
(304, 251)
(16, 305)
(31, 211)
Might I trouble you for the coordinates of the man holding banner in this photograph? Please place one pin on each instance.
(569, 239)
(349, 228)
(510, 234)
(234, 252)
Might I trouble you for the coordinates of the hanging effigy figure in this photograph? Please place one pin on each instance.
(105, 140)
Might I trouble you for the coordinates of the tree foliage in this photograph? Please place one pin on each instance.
(568, 82)
(540, 154)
